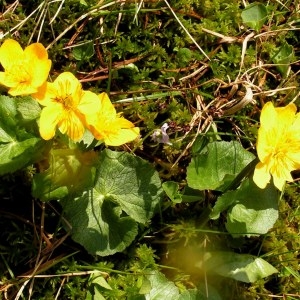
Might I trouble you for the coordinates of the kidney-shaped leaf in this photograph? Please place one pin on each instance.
(216, 165)
(97, 224)
(104, 218)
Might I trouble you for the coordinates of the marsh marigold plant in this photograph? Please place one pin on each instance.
(66, 107)
(278, 145)
(25, 71)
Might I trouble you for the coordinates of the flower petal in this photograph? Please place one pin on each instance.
(40, 72)
(68, 85)
(123, 123)
(35, 51)
(50, 117)
(106, 105)
(285, 119)
(46, 94)
(279, 182)
(89, 103)
(9, 52)
(22, 89)
(261, 176)
(72, 125)
(122, 137)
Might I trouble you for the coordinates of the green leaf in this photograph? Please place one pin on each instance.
(200, 142)
(70, 172)
(162, 288)
(215, 167)
(18, 154)
(284, 57)
(192, 195)
(104, 218)
(145, 286)
(130, 182)
(172, 190)
(28, 108)
(99, 280)
(256, 210)
(255, 15)
(84, 52)
(97, 224)
(241, 267)
(18, 148)
(8, 112)
(224, 202)
(83, 2)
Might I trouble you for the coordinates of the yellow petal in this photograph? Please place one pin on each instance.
(46, 94)
(72, 125)
(89, 103)
(261, 176)
(40, 72)
(265, 144)
(295, 158)
(279, 182)
(268, 116)
(40, 94)
(9, 52)
(124, 123)
(294, 131)
(67, 84)
(35, 51)
(2, 78)
(50, 117)
(122, 137)
(22, 89)
(96, 133)
(106, 105)
(285, 118)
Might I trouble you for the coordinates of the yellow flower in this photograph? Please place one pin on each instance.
(24, 70)
(278, 145)
(67, 106)
(110, 127)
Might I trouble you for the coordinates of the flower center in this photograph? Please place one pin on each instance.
(65, 96)
(67, 102)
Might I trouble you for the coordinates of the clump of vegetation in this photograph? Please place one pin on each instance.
(156, 198)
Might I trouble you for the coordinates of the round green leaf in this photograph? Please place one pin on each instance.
(255, 15)
(104, 218)
(97, 224)
(83, 52)
(255, 211)
(215, 167)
